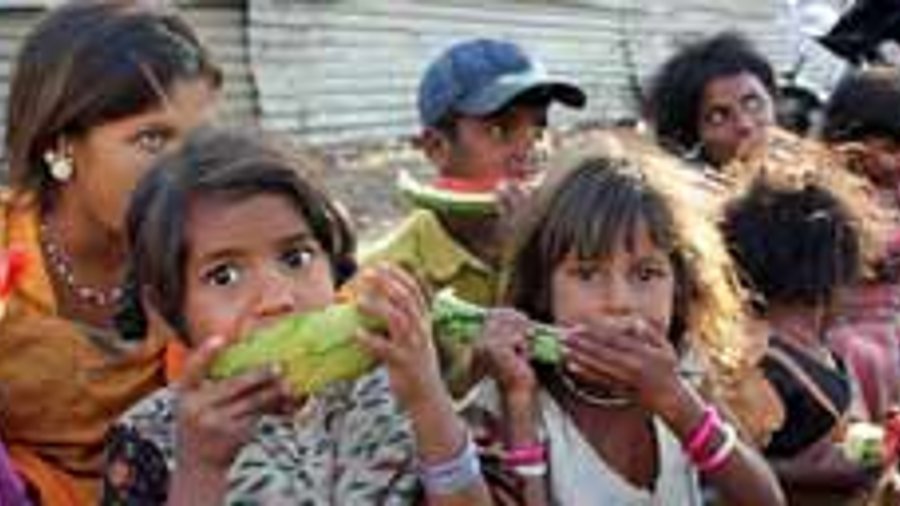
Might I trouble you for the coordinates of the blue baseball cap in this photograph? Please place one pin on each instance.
(479, 77)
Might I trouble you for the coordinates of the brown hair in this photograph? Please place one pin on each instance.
(87, 63)
(799, 224)
(598, 196)
(223, 164)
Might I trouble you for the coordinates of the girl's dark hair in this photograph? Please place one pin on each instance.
(87, 63)
(795, 242)
(221, 164)
(864, 105)
(676, 91)
(595, 200)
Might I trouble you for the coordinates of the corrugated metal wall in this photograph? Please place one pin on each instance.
(344, 70)
(329, 71)
(220, 23)
(222, 26)
(14, 23)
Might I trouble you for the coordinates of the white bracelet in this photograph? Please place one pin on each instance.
(454, 475)
(531, 470)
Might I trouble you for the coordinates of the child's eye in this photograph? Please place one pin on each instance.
(298, 257)
(753, 104)
(221, 275)
(583, 272)
(650, 272)
(151, 141)
(498, 132)
(717, 117)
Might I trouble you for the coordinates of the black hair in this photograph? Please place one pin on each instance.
(794, 241)
(676, 91)
(865, 104)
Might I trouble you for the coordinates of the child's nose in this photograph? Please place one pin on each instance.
(276, 294)
(619, 298)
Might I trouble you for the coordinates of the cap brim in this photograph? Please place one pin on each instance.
(501, 92)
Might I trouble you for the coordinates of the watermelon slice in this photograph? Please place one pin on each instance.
(451, 195)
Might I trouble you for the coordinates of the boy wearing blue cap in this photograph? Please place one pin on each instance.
(483, 107)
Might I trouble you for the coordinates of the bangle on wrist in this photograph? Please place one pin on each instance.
(701, 435)
(531, 470)
(525, 455)
(454, 474)
(719, 458)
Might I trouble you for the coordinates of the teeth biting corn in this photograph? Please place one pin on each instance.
(317, 348)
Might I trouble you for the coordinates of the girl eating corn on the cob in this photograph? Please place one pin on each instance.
(604, 252)
(227, 236)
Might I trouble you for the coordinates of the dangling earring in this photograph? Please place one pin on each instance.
(60, 166)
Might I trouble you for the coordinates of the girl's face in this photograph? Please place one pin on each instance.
(735, 113)
(111, 157)
(631, 284)
(250, 262)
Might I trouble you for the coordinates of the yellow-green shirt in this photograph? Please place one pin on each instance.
(423, 245)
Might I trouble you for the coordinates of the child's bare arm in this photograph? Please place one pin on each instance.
(639, 357)
(449, 464)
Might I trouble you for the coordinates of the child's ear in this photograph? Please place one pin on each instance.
(436, 146)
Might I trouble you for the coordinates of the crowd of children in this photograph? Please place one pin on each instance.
(720, 296)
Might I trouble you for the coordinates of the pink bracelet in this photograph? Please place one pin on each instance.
(718, 459)
(526, 455)
(699, 438)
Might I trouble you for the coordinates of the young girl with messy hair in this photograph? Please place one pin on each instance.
(228, 235)
(617, 251)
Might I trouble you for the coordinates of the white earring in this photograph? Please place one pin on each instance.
(60, 166)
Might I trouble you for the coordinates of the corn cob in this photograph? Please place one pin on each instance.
(863, 444)
(318, 348)
(456, 321)
(314, 349)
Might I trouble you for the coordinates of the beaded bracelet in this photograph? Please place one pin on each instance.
(699, 438)
(454, 475)
(717, 460)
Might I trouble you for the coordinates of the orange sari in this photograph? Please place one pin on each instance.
(61, 383)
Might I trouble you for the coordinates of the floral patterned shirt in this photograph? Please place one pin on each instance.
(351, 445)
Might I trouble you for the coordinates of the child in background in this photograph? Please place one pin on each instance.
(616, 250)
(797, 232)
(861, 123)
(483, 107)
(204, 263)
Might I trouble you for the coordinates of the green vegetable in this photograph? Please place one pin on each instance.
(318, 348)
(863, 444)
(314, 349)
(457, 321)
(437, 199)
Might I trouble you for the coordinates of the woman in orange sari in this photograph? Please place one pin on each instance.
(100, 89)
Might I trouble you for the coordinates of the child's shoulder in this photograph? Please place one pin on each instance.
(406, 240)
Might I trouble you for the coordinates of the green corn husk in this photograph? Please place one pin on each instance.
(863, 444)
(459, 322)
(318, 348)
(314, 349)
